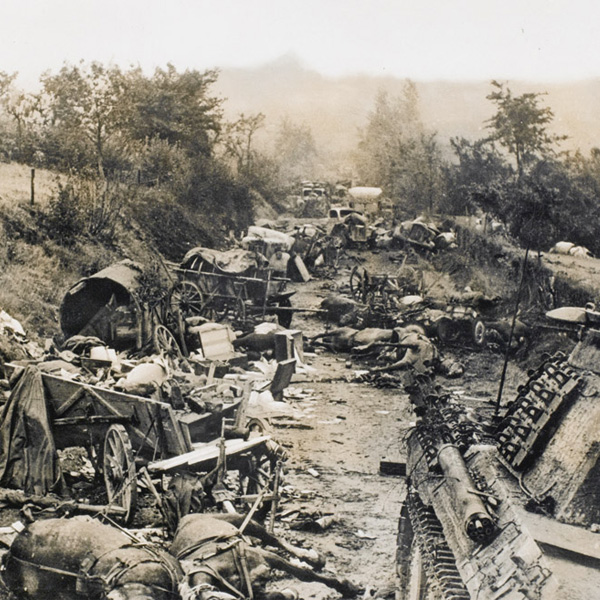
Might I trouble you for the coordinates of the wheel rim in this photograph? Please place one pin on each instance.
(256, 473)
(479, 333)
(119, 471)
(188, 299)
(165, 342)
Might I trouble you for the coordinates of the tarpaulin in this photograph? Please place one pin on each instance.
(28, 457)
(232, 262)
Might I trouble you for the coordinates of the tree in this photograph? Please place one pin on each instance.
(296, 151)
(237, 140)
(477, 180)
(84, 107)
(521, 126)
(397, 153)
(26, 113)
(6, 81)
(172, 106)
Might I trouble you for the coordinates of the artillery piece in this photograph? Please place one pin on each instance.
(505, 504)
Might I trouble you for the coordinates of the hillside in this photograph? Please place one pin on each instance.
(336, 109)
(15, 184)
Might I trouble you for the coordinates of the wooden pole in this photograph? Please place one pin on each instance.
(510, 336)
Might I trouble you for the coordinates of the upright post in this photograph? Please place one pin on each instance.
(32, 186)
(510, 336)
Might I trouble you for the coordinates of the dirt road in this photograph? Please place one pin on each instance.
(353, 426)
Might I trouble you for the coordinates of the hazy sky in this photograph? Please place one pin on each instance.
(542, 40)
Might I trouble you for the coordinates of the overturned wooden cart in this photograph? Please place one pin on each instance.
(124, 433)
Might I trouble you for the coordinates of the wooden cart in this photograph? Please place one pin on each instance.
(123, 432)
(234, 285)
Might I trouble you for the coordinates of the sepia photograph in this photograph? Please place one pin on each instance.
(298, 300)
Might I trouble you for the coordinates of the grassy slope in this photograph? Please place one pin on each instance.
(15, 184)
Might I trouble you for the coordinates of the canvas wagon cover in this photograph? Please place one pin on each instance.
(90, 294)
(28, 457)
(230, 262)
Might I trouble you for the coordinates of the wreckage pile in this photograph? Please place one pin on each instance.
(172, 395)
(506, 502)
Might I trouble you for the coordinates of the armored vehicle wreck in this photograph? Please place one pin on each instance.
(506, 504)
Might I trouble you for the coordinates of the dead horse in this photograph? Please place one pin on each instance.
(219, 562)
(71, 559)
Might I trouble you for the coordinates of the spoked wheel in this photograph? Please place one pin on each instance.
(165, 343)
(119, 471)
(257, 472)
(478, 332)
(257, 466)
(187, 299)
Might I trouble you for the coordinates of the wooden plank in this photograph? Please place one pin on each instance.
(301, 267)
(205, 453)
(282, 378)
(67, 404)
(562, 536)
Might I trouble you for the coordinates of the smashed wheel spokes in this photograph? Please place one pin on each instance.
(119, 470)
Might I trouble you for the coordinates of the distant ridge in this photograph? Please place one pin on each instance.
(336, 108)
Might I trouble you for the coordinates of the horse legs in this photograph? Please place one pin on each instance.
(343, 586)
(253, 529)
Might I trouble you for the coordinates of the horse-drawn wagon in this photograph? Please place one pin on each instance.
(235, 284)
(125, 435)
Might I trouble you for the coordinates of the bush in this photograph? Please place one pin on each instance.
(63, 219)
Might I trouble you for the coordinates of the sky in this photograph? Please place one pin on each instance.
(458, 40)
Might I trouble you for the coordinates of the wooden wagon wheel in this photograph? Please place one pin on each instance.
(165, 342)
(119, 471)
(256, 471)
(187, 298)
(357, 283)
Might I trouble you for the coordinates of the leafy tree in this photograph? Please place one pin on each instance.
(172, 106)
(396, 153)
(477, 180)
(6, 81)
(237, 139)
(296, 151)
(84, 105)
(26, 113)
(521, 125)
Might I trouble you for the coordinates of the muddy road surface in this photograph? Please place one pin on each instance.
(336, 432)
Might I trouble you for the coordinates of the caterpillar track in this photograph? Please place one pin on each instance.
(438, 560)
(506, 508)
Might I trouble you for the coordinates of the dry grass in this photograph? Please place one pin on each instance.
(15, 184)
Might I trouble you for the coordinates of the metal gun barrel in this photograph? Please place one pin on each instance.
(478, 524)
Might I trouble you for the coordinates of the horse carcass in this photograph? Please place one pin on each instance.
(71, 559)
(217, 559)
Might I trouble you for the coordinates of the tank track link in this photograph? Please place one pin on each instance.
(438, 559)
